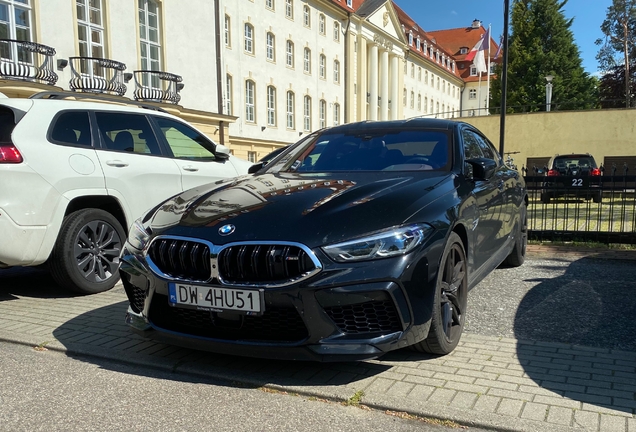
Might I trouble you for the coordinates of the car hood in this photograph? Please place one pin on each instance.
(311, 209)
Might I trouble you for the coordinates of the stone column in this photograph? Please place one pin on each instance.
(373, 82)
(384, 85)
(395, 90)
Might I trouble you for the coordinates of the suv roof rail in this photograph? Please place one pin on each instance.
(95, 96)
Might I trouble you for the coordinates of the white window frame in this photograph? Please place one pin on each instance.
(271, 106)
(472, 94)
(250, 97)
(323, 113)
(306, 16)
(307, 60)
(248, 38)
(290, 110)
(307, 113)
(336, 114)
(336, 31)
(336, 71)
(289, 9)
(228, 94)
(269, 4)
(322, 24)
(473, 70)
(227, 31)
(289, 53)
(322, 66)
(271, 46)
(92, 48)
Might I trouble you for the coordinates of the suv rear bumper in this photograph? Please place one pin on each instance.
(20, 244)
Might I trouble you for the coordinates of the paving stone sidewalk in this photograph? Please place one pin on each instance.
(498, 383)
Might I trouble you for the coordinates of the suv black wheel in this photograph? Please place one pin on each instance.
(451, 299)
(85, 258)
(518, 254)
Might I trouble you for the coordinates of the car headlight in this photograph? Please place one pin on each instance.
(138, 235)
(397, 241)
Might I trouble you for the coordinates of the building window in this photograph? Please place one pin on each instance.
(336, 71)
(492, 68)
(419, 102)
(251, 156)
(463, 50)
(412, 70)
(271, 106)
(307, 113)
(321, 24)
(249, 39)
(290, 54)
(419, 73)
(307, 61)
(15, 23)
(472, 94)
(431, 52)
(336, 31)
(406, 68)
(410, 39)
(290, 110)
(149, 39)
(473, 70)
(90, 32)
(250, 90)
(228, 94)
(404, 98)
(412, 100)
(289, 9)
(322, 66)
(271, 43)
(323, 113)
(226, 32)
(350, 3)
(425, 49)
(437, 83)
(419, 44)
(269, 4)
(437, 108)
(425, 105)
(306, 16)
(336, 114)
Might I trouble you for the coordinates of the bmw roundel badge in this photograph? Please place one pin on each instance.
(226, 230)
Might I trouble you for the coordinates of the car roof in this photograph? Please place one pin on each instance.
(373, 126)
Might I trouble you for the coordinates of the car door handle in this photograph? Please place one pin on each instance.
(116, 163)
(190, 168)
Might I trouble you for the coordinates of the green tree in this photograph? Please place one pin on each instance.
(541, 44)
(618, 48)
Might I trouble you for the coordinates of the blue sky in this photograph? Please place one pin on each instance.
(438, 15)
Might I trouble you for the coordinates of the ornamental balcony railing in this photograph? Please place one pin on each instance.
(28, 61)
(157, 86)
(97, 75)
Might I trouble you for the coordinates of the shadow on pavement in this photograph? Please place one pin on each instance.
(28, 282)
(594, 314)
(103, 331)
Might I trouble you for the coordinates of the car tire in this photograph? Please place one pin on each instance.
(85, 258)
(598, 197)
(451, 298)
(545, 198)
(518, 254)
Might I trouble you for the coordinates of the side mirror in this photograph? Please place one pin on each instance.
(255, 168)
(222, 152)
(483, 168)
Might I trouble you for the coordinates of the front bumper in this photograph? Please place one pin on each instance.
(344, 313)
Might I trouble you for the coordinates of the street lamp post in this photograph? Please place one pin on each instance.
(548, 92)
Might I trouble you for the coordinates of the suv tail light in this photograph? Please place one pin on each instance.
(596, 172)
(10, 154)
(553, 172)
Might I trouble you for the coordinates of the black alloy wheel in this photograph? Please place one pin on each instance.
(85, 258)
(451, 299)
(518, 254)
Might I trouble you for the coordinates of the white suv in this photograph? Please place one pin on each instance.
(74, 174)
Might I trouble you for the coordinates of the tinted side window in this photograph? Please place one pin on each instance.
(472, 149)
(127, 132)
(7, 123)
(487, 149)
(72, 128)
(185, 142)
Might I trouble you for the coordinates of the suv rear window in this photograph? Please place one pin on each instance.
(72, 128)
(574, 161)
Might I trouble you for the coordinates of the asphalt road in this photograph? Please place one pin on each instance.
(49, 391)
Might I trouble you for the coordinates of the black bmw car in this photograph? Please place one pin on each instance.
(355, 241)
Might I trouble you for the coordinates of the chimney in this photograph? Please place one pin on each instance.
(476, 23)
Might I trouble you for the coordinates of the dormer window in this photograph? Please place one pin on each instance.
(431, 52)
(419, 46)
(350, 3)
(463, 50)
(425, 49)
(453, 66)
(410, 38)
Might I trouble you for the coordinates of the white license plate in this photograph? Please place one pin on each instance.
(215, 298)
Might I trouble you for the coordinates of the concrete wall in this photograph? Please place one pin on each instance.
(598, 132)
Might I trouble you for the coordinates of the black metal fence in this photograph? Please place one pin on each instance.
(601, 209)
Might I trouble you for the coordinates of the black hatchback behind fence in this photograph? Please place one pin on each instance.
(595, 208)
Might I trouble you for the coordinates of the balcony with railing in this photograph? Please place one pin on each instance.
(97, 75)
(157, 86)
(27, 61)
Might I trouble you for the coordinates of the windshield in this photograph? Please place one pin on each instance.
(405, 150)
(565, 162)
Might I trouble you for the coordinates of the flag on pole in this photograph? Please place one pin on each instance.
(477, 53)
(499, 49)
